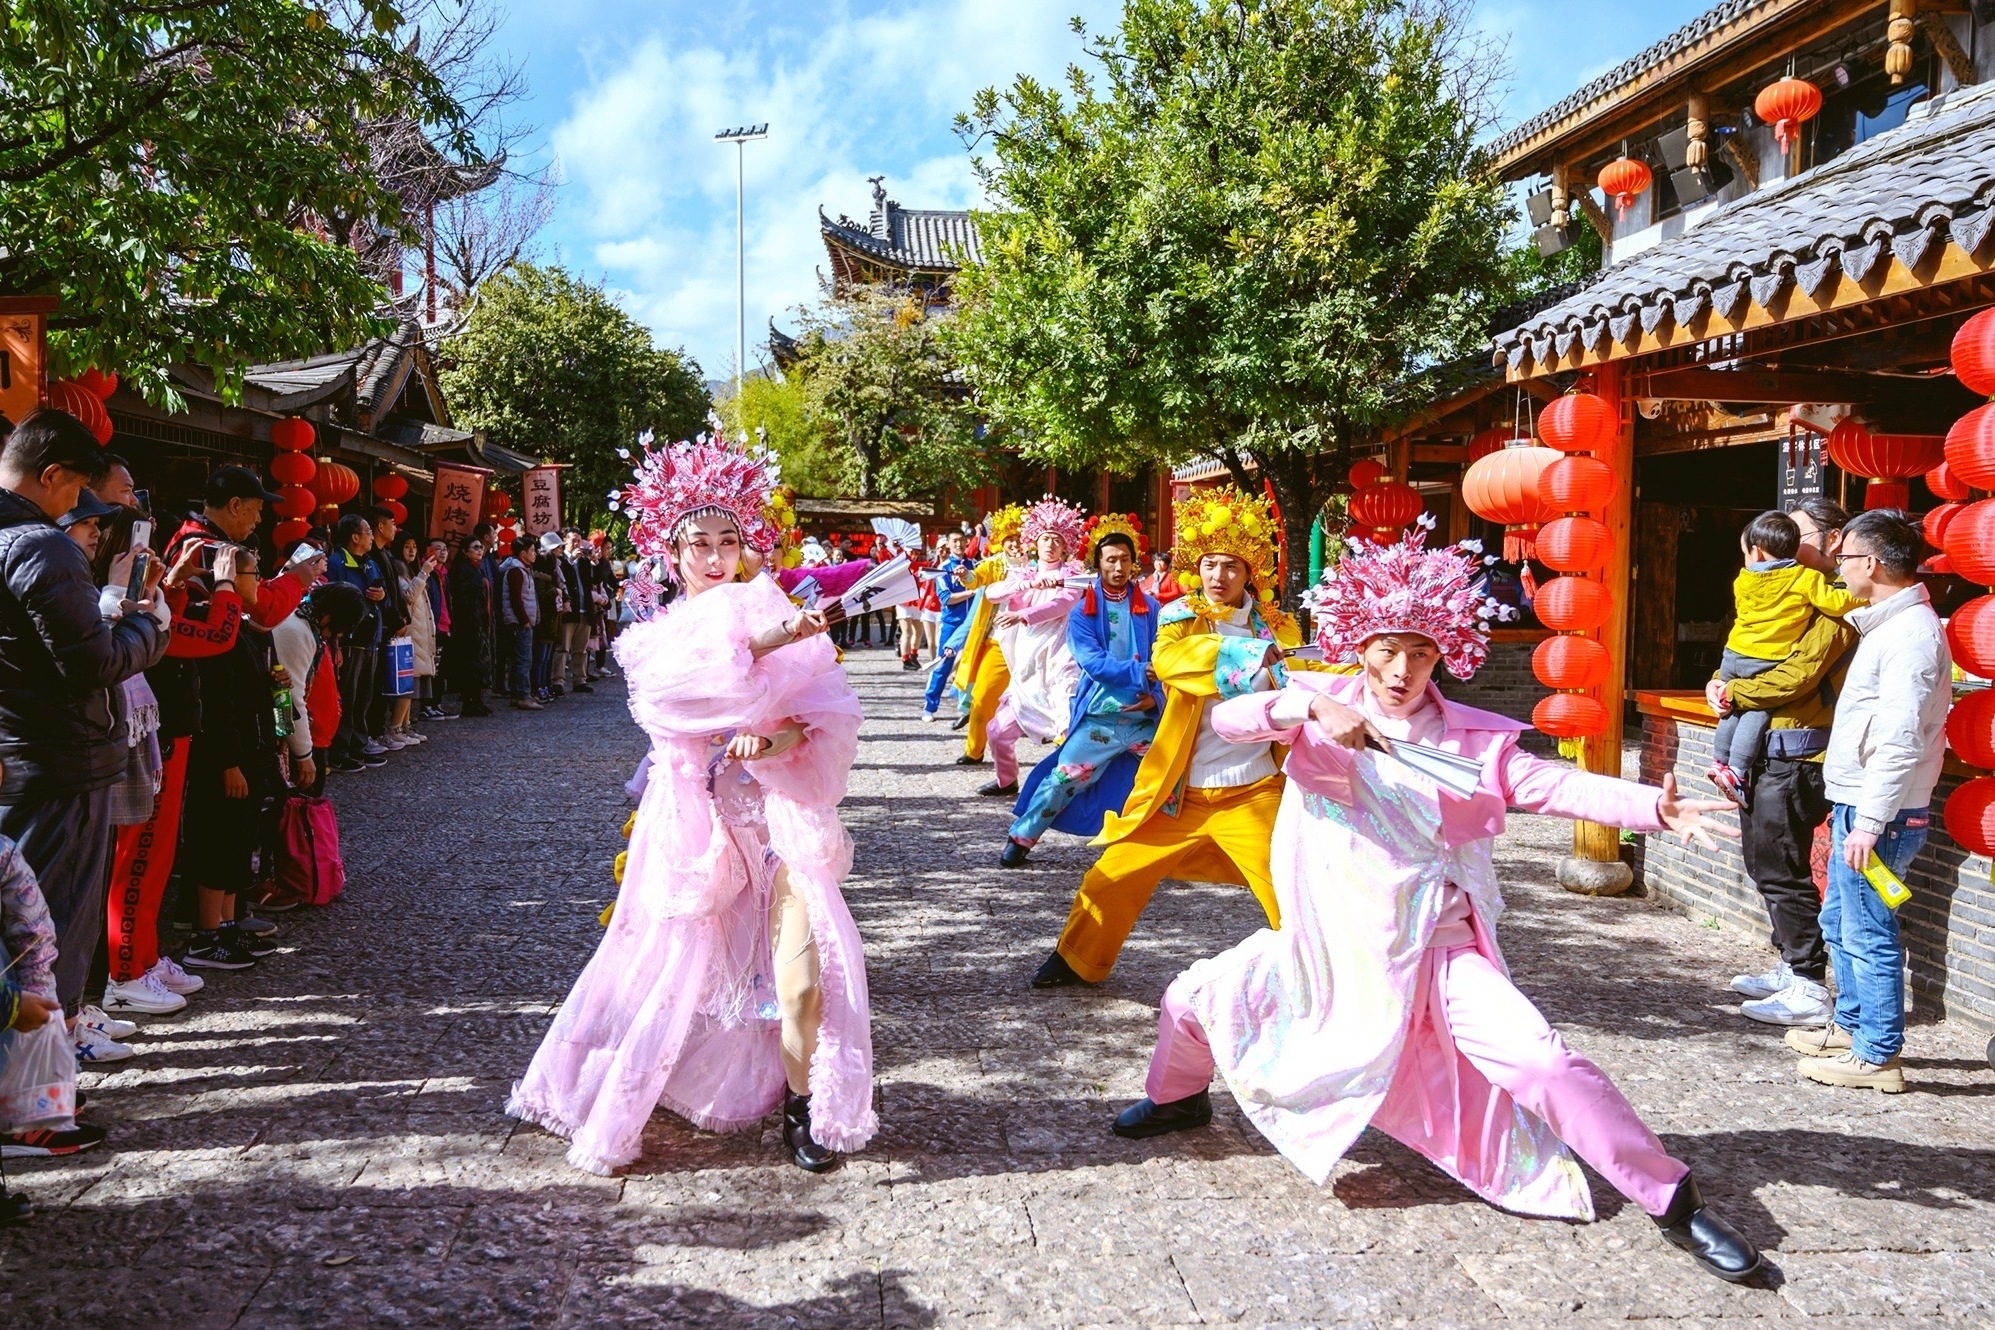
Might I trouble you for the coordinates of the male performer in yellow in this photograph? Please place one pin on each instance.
(981, 672)
(1202, 809)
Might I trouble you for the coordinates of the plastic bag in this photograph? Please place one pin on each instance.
(38, 1078)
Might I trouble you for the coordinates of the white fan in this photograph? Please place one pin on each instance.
(903, 533)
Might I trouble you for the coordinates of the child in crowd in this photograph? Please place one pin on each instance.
(1775, 598)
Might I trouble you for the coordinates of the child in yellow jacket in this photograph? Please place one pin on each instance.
(1776, 598)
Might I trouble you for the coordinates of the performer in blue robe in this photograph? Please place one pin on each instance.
(951, 589)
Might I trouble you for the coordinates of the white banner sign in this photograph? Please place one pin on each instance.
(540, 490)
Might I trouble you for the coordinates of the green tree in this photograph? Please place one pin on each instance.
(548, 364)
(880, 382)
(776, 411)
(1238, 232)
(168, 171)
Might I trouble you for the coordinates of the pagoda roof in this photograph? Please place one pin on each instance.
(934, 240)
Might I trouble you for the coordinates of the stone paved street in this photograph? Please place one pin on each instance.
(319, 1142)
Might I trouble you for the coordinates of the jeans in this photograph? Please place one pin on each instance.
(516, 649)
(1865, 951)
(1741, 734)
(543, 665)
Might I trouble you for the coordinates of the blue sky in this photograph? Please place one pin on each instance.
(625, 98)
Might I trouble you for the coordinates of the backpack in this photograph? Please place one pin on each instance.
(308, 858)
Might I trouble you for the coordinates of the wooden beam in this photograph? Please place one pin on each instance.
(1594, 214)
(1780, 387)
(1940, 34)
(1444, 453)
(1744, 158)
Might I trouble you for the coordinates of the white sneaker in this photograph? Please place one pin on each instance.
(1763, 985)
(174, 979)
(108, 1026)
(1803, 1003)
(93, 1048)
(412, 736)
(392, 743)
(372, 748)
(144, 995)
(929, 717)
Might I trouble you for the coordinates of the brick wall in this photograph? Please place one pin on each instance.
(1948, 925)
(1504, 684)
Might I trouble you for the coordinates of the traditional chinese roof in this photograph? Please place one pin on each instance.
(1904, 195)
(904, 240)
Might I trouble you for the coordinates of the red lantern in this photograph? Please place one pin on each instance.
(1935, 523)
(1970, 815)
(1571, 662)
(1388, 506)
(1578, 423)
(1366, 473)
(1974, 354)
(295, 502)
(1503, 488)
(497, 504)
(1577, 485)
(326, 515)
(1887, 494)
(293, 469)
(388, 486)
(1786, 105)
(291, 435)
(1970, 448)
(1971, 636)
(1946, 485)
(396, 510)
(1971, 729)
(1570, 716)
(1970, 542)
(1488, 441)
(335, 483)
(1856, 449)
(1624, 180)
(1573, 605)
(99, 383)
(290, 532)
(1575, 544)
(71, 396)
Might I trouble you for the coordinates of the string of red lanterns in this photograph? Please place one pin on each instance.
(1966, 532)
(1576, 544)
(1381, 508)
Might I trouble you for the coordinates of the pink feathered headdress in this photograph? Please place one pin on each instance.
(1058, 517)
(1404, 587)
(681, 481)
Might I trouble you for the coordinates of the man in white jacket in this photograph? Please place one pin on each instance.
(1883, 761)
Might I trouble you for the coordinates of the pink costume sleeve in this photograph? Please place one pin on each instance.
(1537, 786)
(1055, 606)
(833, 579)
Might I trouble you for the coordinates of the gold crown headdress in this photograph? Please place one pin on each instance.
(1115, 524)
(1006, 522)
(1223, 520)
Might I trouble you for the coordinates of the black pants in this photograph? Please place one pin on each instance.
(356, 690)
(1777, 836)
(67, 841)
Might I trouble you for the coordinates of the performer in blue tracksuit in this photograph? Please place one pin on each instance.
(1115, 710)
(956, 600)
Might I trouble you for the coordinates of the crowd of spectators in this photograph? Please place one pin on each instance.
(173, 698)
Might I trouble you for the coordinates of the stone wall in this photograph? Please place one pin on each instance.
(1948, 925)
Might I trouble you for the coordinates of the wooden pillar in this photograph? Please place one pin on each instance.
(1595, 868)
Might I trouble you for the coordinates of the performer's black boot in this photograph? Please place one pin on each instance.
(960, 722)
(965, 760)
(997, 789)
(1056, 973)
(805, 1153)
(1711, 1242)
(1144, 1118)
(1014, 855)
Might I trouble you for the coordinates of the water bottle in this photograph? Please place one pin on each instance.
(280, 700)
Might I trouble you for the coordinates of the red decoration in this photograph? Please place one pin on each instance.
(1575, 544)
(1970, 448)
(1578, 423)
(1786, 105)
(1970, 542)
(293, 469)
(1974, 354)
(1624, 180)
(71, 396)
(98, 382)
(1935, 523)
(291, 531)
(327, 515)
(335, 483)
(1493, 440)
(1971, 636)
(1570, 716)
(1573, 605)
(1856, 449)
(1887, 494)
(497, 504)
(1571, 662)
(292, 435)
(1366, 473)
(1970, 815)
(295, 502)
(1946, 485)
(1390, 505)
(1577, 485)
(397, 511)
(1503, 488)
(388, 486)
(1971, 729)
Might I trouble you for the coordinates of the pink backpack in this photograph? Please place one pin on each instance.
(308, 859)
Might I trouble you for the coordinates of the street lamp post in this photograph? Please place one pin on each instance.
(738, 137)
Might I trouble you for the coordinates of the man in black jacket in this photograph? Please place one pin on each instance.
(394, 616)
(62, 667)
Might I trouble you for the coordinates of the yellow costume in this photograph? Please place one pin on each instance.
(1168, 828)
(981, 671)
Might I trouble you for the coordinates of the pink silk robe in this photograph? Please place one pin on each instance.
(1044, 673)
(677, 1008)
(1315, 1026)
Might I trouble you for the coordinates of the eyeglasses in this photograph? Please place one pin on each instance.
(1840, 557)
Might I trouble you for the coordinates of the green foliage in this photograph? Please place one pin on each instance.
(879, 382)
(777, 412)
(1238, 232)
(163, 167)
(550, 365)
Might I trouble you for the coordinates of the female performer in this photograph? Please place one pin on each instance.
(1031, 630)
(1383, 999)
(731, 976)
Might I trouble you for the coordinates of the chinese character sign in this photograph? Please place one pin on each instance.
(458, 504)
(542, 490)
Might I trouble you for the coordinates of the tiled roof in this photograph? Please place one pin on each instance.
(931, 240)
(1627, 72)
(1927, 181)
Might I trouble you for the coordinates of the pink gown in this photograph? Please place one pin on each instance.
(677, 1009)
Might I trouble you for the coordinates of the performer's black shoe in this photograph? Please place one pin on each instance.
(1144, 1118)
(805, 1153)
(1014, 855)
(1711, 1242)
(965, 760)
(1056, 973)
(993, 790)
(960, 721)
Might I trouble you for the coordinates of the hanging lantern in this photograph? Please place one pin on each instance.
(1947, 486)
(388, 486)
(295, 502)
(1974, 354)
(1887, 494)
(1570, 716)
(1625, 180)
(1388, 506)
(1578, 423)
(1971, 637)
(1971, 729)
(99, 383)
(1577, 485)
(292, 435)
(293, 469)
(1787, 105)
(1575, 544)
(290, 531)
(326, 515)
(1935, 523)
(1970, 542)
(1493, 440)
(1571, 662)
(1857, 449)
(397, 511)
(1366, 473)
(335, 483)
(71, 396)
(497, 504)
(1503, 488)
(1970, 448)
(1970, 815)
(1573, 605)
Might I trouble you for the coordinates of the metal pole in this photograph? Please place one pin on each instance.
(740, 276)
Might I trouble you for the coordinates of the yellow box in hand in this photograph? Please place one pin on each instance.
(1889, 886)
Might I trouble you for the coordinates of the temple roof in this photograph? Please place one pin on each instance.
(914, 239)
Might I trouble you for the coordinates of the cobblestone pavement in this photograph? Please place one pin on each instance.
(319, 1142)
